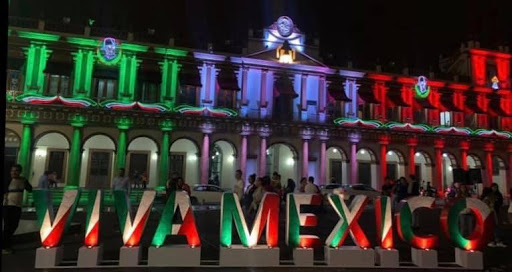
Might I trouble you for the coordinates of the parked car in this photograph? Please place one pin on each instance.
(206, 194)
(349, 190)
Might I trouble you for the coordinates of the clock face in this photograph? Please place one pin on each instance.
(285, 26)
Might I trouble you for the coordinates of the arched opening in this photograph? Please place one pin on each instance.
(449, 163)
(499, 173)
(423, 168)
(12, 145)
(283, 159)
(336, 171)
(142, 161)
(366, 167)
(222, 164)
(473, 162)
(51, 153)
(395, 164)
(184, 160)
(97, 162)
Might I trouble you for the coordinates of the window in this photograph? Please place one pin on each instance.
(14, 81)
(226, 99)
(336, 109)
(445, 118)
(104, 88)
(420, 116)
(56, 85)
(148, 92)
(188, 95)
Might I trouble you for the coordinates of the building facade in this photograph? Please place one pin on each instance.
(85, 103)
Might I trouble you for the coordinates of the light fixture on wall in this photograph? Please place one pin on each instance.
(285, 53)
(290, 161)
(41, 153)
(268, 152)
(417, 154)
(231, 159)
(213, 157)
(445, 155)
(217, 153)
(450, 168)
(335, 150)
(154, 156)
(362, 152)
(390, 153)
(192, 157)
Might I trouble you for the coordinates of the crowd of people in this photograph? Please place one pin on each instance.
(176, 183)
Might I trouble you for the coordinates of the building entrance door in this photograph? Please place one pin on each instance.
(177, 164)
(99, 169)
(336, 171)
(57, 163)
(365, 173)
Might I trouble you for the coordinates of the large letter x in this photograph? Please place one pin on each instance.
(348, 221)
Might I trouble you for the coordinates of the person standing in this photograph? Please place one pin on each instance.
(494, 200)
(144, 179)
(247, 199)
(303, 183)
(311, 187)
(121, 183)
(238, 188)
(413, 188)
(44, 181)
(182, 185)
(11, 206)
(387, 187)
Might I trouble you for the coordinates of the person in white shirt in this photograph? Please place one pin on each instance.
(121, 183)
(311, 187)
(238, 189)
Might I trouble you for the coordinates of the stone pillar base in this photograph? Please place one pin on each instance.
(89, 256)
(469, 259)
(424, 258)
(240, 256)
(386, 257)
(129, 256)
(349, 256)
(174, 255)
(48, 257)
(303, 256)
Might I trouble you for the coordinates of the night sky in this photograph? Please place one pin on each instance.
(395, 34)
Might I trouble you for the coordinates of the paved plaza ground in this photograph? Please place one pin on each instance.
(495, 259)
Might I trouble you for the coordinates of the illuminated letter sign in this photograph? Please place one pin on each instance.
(384, 220)
(422, 88)
(52, 227)
(295, 220)
(92, 223)
(267, 215)
(132, 229)
(483, 231)
(177, 202)
(348, 221)
(404, 222)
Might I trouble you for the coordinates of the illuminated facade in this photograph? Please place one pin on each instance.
(85, 105)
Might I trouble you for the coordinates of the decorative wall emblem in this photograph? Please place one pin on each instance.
(109, 51)
(285, 26)
(422, 88)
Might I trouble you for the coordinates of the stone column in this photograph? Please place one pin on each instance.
(169, 86)
(123, 124)
(488, 148)
(37, 55)
(25, 154)
(263, 94)
(207, 129)
(412, 143)
(464, 147)
(75, 153)
(166, 126)
(84, 64)
(306, 134)
(246, 131)
(384, 142)
(128, 67)
(354, 138)
(439, 145)
(323, 136)
(264, 133)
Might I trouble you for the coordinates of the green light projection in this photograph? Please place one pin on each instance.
(25, 153)
(84, 64)
(38, 36)
(123, 124)
(37, 56)
(77, 121)
(169, 84)
(127, 78)
(167, 126)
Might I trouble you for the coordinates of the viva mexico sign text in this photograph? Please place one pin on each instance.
(53, 226)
